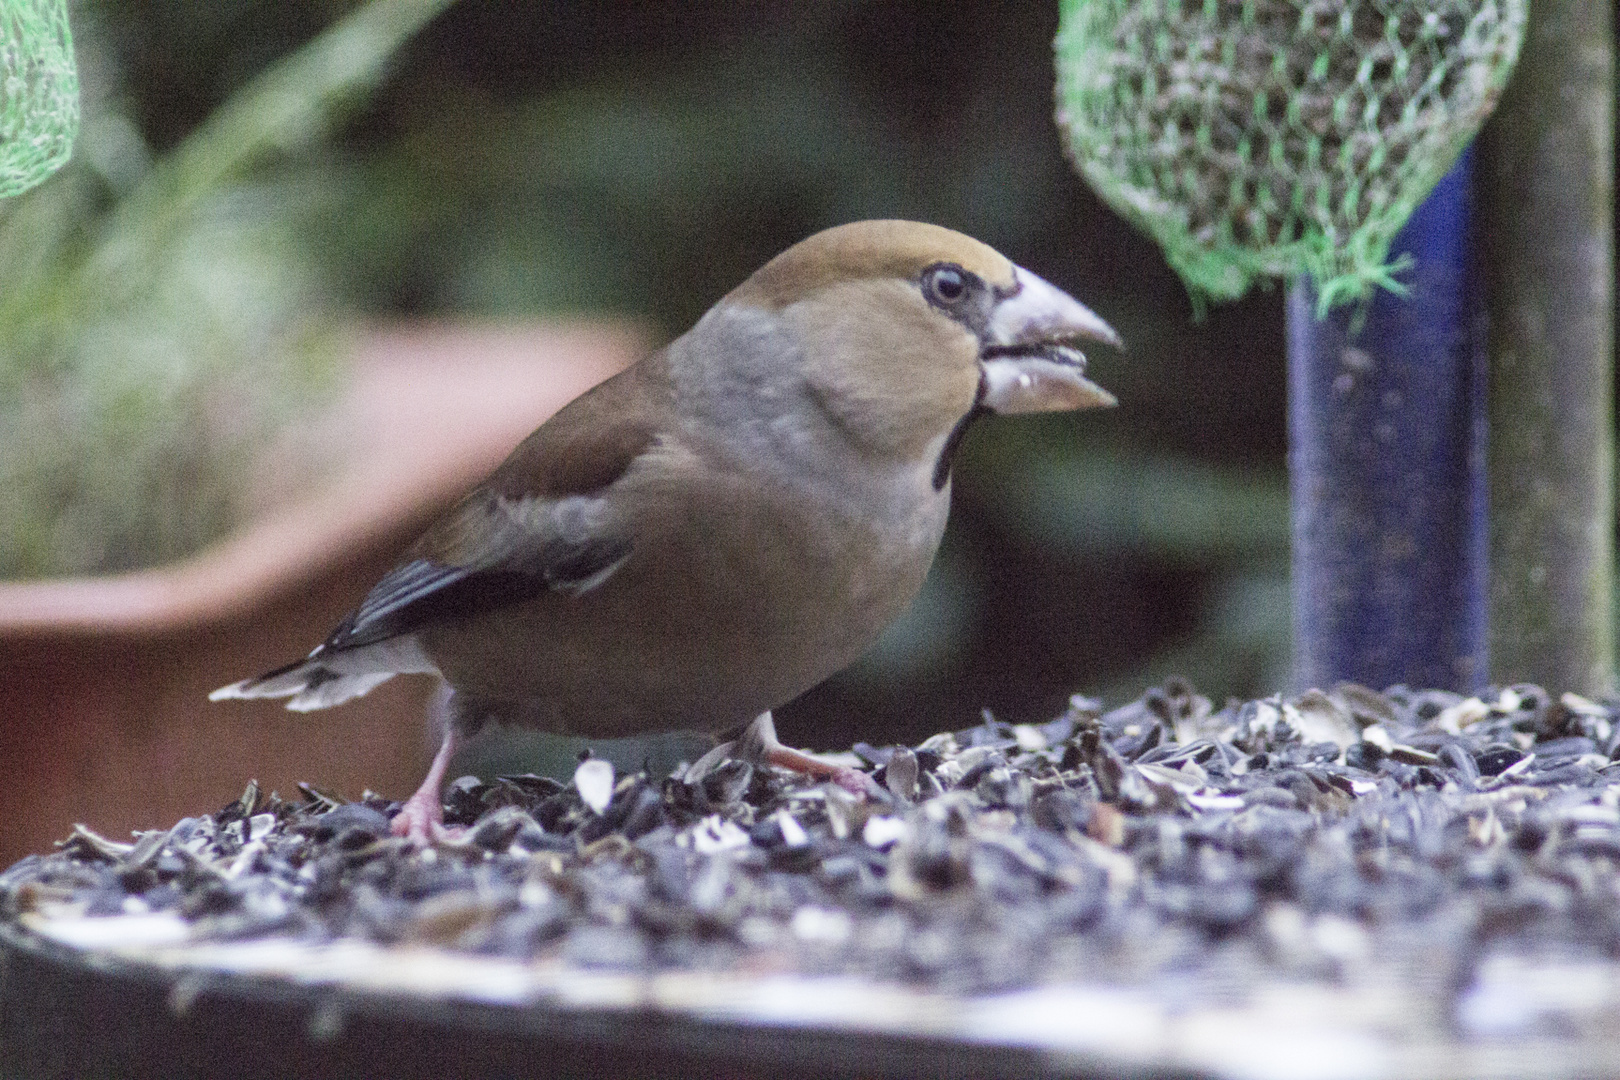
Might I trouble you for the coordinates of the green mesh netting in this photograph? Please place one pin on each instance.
(39, 92)
(1269, 137)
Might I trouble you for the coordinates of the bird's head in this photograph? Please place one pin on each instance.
(906, 331)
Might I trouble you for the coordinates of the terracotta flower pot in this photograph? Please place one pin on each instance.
(104, 716)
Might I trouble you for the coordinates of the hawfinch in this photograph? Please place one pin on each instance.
(725, 524)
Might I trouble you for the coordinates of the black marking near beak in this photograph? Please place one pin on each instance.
(942, 467)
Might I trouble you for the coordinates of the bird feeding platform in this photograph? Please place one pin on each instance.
(1338, 884)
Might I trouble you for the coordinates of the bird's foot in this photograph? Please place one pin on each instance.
(421, 819)
(855, 782)
(759, 743)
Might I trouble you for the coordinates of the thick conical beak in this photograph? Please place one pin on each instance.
(1030, 357)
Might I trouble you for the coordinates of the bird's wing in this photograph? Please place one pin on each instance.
(513, 563)
(541, 523)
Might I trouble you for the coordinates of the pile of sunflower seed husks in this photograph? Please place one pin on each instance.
(1164, 842)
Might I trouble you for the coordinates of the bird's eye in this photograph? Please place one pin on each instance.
(945, 285)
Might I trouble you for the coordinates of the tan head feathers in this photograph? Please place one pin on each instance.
(869, 249)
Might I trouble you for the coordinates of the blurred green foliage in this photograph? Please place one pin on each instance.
(160, 317)
(39, 92)
(528, 157)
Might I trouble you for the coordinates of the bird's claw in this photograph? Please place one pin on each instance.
(420, 820)
(858, 783)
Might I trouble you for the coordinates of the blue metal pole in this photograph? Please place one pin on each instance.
(1386, 433)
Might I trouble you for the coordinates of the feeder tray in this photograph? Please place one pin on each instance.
(1341, 884)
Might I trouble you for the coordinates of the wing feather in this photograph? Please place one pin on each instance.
(533, 527)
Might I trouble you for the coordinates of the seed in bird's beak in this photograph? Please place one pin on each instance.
(1029, 357)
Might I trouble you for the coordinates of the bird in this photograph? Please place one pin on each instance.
(726, 523)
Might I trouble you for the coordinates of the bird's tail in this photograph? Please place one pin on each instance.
(328, 677)
(310, 683)
(332, 676)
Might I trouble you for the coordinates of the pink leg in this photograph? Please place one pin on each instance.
(760, 742)
(422, 816)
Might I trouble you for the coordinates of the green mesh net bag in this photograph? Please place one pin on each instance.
(1269, 137)
(39, 92)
